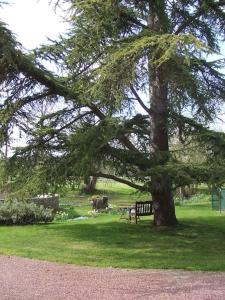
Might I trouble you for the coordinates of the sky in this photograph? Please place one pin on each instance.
(33, 21)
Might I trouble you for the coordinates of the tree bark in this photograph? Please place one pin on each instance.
(162, 196)
(164, 208)
(90, 184)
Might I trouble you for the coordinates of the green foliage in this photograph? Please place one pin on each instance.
(61, 216)
(115, 52)
(68, 212)
(120, 70)
(7, 47)
(21, 213)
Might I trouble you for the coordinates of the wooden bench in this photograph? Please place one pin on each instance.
(141, 208)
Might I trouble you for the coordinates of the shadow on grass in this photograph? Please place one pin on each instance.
(191, 245)
(197, 243)
(114, 232)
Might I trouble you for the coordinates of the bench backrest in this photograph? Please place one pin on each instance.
(144, 208)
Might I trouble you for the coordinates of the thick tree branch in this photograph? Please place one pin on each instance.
(121, 180)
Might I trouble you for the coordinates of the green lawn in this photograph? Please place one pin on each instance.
(198, 243)
(119, 194)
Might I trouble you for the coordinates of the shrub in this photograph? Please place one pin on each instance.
(67, 212)
(61, 216)
(18, 212)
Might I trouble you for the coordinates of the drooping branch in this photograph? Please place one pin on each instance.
(123, 139)
(24, 101)
(186, 23)
(56, 131)
(55, 86)
(126, 155)
(198, 14)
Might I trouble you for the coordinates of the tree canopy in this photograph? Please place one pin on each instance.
(132, 76)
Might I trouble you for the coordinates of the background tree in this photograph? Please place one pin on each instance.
(131, 76)
(90, 184)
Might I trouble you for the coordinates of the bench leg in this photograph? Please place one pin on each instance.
(129, 218)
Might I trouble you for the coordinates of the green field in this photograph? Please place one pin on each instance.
(197, 243)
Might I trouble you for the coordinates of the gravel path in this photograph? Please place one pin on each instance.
(25, 279)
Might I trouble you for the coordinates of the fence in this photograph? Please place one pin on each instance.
(218, 199)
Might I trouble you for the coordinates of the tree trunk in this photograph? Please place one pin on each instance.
(164, 213)
(90, 185)
(162, 196)
(164, 209)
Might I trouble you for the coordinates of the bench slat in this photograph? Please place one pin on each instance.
(143, 208)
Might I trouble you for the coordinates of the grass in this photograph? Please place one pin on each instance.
(197, 243)
(119, 194)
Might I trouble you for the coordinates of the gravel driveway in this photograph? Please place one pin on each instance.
(25, 279)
